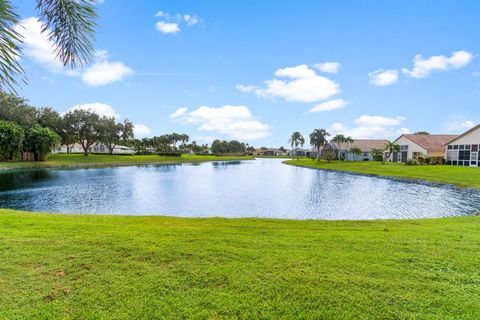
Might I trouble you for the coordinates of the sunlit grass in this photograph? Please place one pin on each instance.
(461, 176)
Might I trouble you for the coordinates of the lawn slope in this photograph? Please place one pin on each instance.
(85, 267)
(460, 176)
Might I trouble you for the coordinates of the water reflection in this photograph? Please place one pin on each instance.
(261, 188)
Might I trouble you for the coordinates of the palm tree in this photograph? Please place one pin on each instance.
(356, 152)
(318, 139)
(339, 139)
(296, 139)
(69, 24)
(391, 147)
(348, 141)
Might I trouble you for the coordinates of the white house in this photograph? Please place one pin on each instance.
(342, 150)
(95, 148)
(463, 150)
(413, 146)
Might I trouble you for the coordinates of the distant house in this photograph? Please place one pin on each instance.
(95, 148)
(463, 150)
(270, 152)
(413, 146)
(299, 152)
(342, 150)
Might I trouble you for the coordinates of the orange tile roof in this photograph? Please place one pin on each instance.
(430, 142)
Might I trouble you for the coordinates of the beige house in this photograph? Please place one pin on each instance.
(343, 151)
(463, 150)
(413, 146)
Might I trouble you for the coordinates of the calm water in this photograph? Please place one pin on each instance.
(261, 188)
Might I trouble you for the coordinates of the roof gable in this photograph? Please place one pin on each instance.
(463, 134)
(430, 142)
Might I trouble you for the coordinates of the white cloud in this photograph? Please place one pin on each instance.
(460, 125)
(328, 67)
(104, 72)
(141, 130)
(383, 78)
(167, 27)
(301, 71)
(302, 86)
(101, 109)
(244, 88)
(371, 127)
(190, 20)
(329, 105)
(403, 131)
(37, 46)
(236, 122)
(423, 67)
(178, 113)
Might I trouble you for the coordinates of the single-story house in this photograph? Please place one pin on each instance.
(413, 146)
(463, 150)
(342, 150)
(299, 152)
(270, 152)
(95, 148)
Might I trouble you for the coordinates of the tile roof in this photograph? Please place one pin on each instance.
(366, 145)
(430, 142)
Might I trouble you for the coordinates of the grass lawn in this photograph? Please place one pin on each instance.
(116, 267)
(59, 160)
(460, 176)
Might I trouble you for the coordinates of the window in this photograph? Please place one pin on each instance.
(404, 156)
(452, 155)
(450, 147)
(475, 147)
(416, 155)
(464, 155)
(404, 147)
(455, 147)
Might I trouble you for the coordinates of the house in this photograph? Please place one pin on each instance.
(95, 148)
(463, 150)
(342, 150)
(413, 146)
(299, 152)
(270, 152)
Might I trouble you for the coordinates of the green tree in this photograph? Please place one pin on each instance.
(318, 139)
(421, 133)
(377, 154)
(112, 132)
(40, 141)
(356, 151)
(49, 118)
(390, 148)
(11, 138)
(339, 139)
(69, 25)
(84, 127)
(16, 109)
(296, 140)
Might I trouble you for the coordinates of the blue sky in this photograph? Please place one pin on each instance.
(255, 70)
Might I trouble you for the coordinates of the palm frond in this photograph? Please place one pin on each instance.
(71, 25)
(10, 69)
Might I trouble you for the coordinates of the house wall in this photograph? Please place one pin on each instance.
(471, 138)
(469, 145)
(365, 156)
(412, 147)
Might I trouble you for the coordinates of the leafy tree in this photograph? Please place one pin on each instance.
(235, 146)
(11, 138)
(219, 147)
(318, 139)
(69, 24)
(40, 141)
(16, 109)
(296, 139)
(112, 133)
(377, 154)
(390, 147)
(84, 127)
(356, 151)
(49, 118)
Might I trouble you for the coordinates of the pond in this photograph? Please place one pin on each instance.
(263, 188)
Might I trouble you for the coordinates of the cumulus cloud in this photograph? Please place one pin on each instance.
(371, 127)
(236, 122)
(422, 67)
(170, 24)
(383, 78)
(41, 50)
(329, 105)
(460, 125)
(101, 109)
(167, 27)
(302, 85)
(328, 67)
(141, 130)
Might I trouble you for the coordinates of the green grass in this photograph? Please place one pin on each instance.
(116, 267)
(460, 176)
(60, 160)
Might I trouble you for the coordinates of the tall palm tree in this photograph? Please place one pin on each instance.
(318, 139)
(296, 139)
(348, 141)
(390, 147)
(69, 24)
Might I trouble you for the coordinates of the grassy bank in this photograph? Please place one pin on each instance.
(64, 160)
(85, 267)
(460, 176)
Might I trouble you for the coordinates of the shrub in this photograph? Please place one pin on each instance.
(11, 136)
(411, 163)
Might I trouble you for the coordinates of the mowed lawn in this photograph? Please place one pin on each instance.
(116, 267)
(460, 176)
(59, 160)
